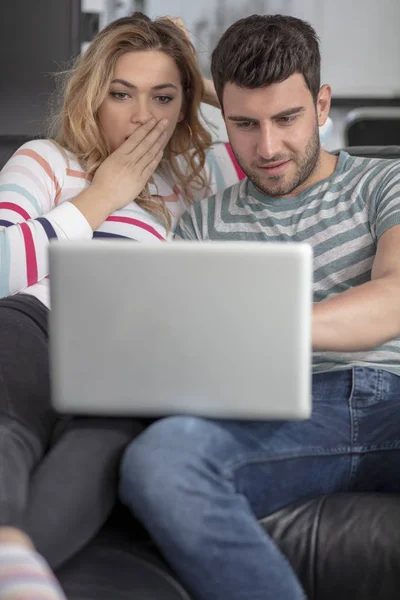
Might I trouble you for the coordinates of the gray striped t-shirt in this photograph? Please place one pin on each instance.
(342, 217)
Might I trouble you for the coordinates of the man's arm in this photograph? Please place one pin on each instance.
(367, 315)
(210, 94)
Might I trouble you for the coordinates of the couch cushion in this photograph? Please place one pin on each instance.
(373, 151)
(120, 563)
(343, 546)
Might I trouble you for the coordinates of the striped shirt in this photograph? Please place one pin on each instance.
(342, 217)
(36, 185)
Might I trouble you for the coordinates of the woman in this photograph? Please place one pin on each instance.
(128, 155)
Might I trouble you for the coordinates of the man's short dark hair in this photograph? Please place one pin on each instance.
(260, 50)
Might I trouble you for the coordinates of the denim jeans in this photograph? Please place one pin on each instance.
(200, 485)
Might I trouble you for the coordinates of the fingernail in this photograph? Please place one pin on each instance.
(164, 122)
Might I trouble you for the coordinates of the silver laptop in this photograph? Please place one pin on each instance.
(218, 329)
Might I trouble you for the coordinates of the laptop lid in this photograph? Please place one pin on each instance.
(219, 329)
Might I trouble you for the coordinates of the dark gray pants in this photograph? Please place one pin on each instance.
(58, 476)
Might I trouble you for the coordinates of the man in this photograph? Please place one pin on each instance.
(200, 485)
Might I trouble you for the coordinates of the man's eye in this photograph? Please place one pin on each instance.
(245, 124)
(288, 120)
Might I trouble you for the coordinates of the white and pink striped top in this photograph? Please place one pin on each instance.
(36, 185)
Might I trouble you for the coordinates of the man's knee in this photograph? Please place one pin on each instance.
(155, 464)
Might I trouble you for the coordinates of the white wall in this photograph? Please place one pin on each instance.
(108, 9)
(360, 42)
(93, 5)
(361, 47)
(360, 39)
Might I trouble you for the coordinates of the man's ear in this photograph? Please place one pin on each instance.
(323, 104)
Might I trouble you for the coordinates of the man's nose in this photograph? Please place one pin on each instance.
(269, 143)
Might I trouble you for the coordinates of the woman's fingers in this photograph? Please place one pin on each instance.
(143, 137)
(154, 141)
(136, 137)
(149, 168)
(180, 23)
(151, 153)
(124, 174)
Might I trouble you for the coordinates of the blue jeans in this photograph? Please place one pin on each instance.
(200, 485)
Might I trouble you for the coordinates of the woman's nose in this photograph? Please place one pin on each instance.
(142, 113)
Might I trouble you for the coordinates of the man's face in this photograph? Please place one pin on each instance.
(274, 133)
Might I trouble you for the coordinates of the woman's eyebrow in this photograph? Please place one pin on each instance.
(161, 86)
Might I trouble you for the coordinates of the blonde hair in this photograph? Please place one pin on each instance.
(75, 127)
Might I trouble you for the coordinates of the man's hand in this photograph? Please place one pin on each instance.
(209, 95)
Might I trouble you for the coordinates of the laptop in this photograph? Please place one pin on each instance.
(215, 329)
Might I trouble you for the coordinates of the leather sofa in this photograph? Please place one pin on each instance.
(343, 546)
(372, 125)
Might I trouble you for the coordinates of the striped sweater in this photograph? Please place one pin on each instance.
(342, 217)
(36, 185)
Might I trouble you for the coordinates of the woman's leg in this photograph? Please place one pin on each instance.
(26, 425)
(26, 417)
(74, 488)
(68, 487)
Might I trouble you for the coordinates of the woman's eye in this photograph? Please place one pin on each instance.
(119, 95)
(164, 99)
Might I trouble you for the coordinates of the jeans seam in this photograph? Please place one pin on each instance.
(353, 421)
(376, 448)
(229, 471)
(354, 431)
(379, 386)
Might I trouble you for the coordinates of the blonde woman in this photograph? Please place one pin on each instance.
(128, 155)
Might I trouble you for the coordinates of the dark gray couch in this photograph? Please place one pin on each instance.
(343, 547)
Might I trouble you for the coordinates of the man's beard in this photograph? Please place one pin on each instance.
(305, 169)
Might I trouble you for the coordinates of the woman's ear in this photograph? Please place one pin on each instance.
(182, 113)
